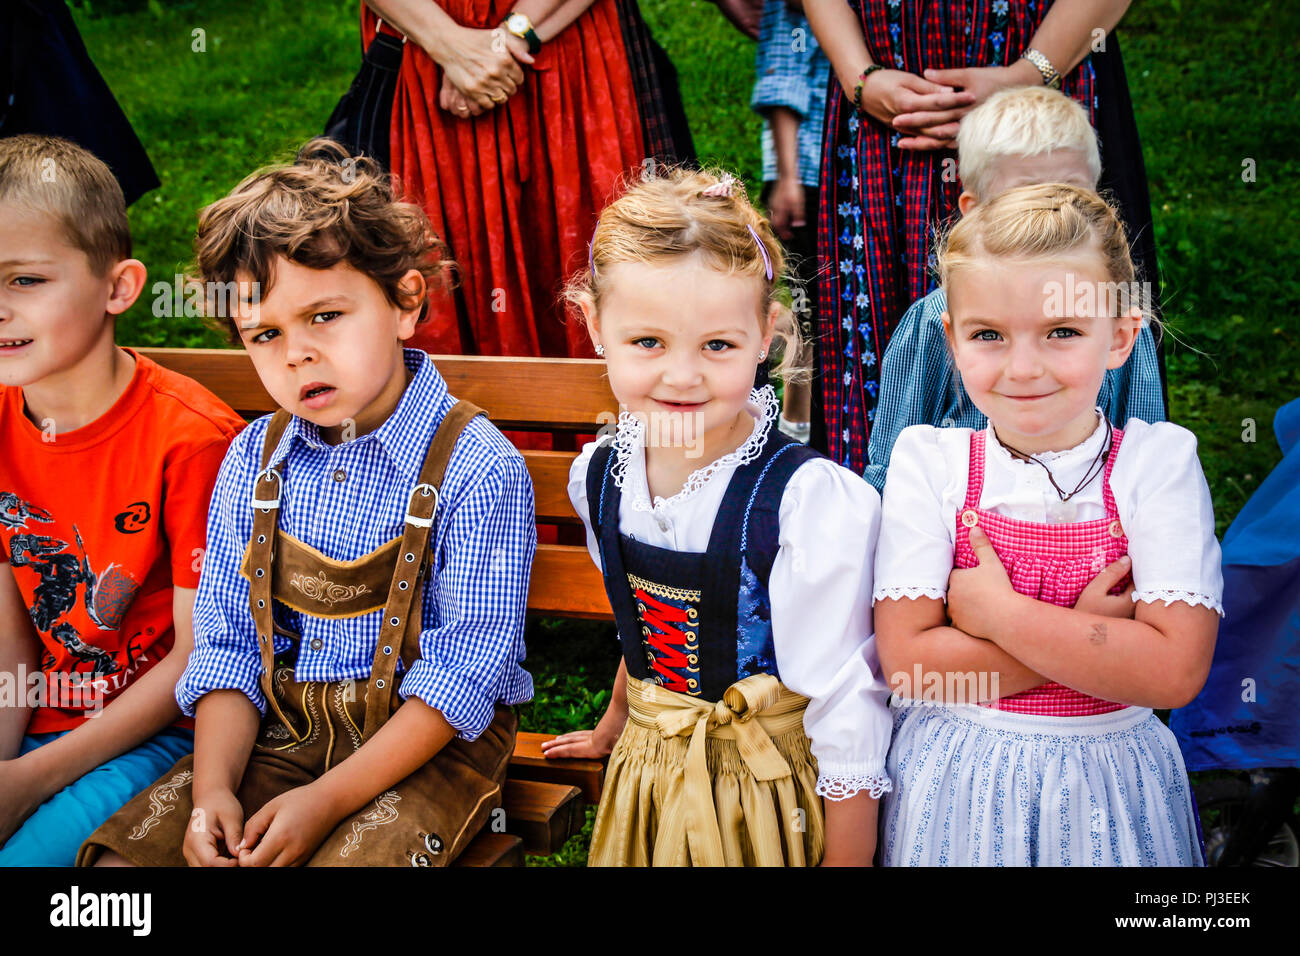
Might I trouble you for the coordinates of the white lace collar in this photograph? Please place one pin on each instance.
(629, 447)
(1085, 450)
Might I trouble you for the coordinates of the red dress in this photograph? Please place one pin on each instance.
(515, 192)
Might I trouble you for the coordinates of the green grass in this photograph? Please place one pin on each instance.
(1209, 86)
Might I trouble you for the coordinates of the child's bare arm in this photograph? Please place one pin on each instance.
(851, 830)
(1160, 659)
(594, 744)
(144, 708)
(913, 636)
(19, 651)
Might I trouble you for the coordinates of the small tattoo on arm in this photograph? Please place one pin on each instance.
(1098, 635)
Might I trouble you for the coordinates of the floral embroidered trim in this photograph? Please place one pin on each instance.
(1187, 597)
(841, 786)
(321, 589)
(898, 593)
(162, 801)
(663, 590)
(630, 436)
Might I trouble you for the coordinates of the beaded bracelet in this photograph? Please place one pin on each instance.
(857, 90)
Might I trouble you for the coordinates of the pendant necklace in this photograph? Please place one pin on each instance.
(1094, 469)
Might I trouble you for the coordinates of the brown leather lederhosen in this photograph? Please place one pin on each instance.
(427, 818)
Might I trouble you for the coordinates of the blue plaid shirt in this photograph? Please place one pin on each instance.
(348, 499)
(918, 385)
(792, 72)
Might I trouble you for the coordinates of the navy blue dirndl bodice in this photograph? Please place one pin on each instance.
(696, 622)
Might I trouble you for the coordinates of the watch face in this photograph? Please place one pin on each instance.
(517, 23)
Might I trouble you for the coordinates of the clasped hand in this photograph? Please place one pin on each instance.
(482, 70)
(929, 108)
(285, 832)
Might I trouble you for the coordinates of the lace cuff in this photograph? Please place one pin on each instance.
(1187, 597)
(841, 786)
(898, 593)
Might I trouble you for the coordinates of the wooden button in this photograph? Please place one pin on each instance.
(969, 518)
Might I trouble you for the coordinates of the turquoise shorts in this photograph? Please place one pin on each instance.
(54, 833)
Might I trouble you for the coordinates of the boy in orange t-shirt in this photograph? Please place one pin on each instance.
(107, 463)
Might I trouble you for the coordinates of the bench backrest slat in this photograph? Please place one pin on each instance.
(522, 394)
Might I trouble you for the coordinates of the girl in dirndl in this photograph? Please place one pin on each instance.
(737, 561)
(1044, 583)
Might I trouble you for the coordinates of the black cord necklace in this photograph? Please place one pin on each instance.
(1094, 469)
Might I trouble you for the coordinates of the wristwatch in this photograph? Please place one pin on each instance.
(522, 27)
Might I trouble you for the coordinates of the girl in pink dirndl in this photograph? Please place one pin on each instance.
(1043, 584)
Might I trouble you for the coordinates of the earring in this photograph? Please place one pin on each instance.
(762, 354)
(600, 351)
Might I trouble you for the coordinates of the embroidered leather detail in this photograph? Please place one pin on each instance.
(162, 801)
(320, 588)
(384, 812)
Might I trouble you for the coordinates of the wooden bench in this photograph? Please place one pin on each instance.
(544, 799)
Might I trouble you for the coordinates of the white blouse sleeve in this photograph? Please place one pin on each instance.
(917, 532)
(578, 497)
(1165, 507)
(820, 588)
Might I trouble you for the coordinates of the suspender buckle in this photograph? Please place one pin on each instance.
(425, 490)
(267, 504)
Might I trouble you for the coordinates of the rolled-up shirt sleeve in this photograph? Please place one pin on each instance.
(226, 654)
(782, 64)
(479, 598)
(825, 648)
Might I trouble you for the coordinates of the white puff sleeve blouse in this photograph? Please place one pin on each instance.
(1160, 492)
(820, 587)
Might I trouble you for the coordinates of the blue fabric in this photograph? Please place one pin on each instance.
(919, 386)
(792, 72)
(52, 835)
(1245, 717)
(346, 500)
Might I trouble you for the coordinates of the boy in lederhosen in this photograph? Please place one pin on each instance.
(360, 613)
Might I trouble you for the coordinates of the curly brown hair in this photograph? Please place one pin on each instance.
(325, 207)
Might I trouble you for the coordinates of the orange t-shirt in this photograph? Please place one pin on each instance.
(98, 524)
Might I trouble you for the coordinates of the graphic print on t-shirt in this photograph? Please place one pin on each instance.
(106, 595)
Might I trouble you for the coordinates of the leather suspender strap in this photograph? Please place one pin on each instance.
(399, 632)
(266, 504)
(402, 623)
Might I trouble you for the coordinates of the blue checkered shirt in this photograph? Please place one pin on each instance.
(918, 385)
(348, 499)
(792, 72)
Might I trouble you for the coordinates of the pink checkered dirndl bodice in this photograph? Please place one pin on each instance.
(1051, 562)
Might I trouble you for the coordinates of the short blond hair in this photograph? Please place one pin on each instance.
(671, 214)
(57, 178)
(1022, 121)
